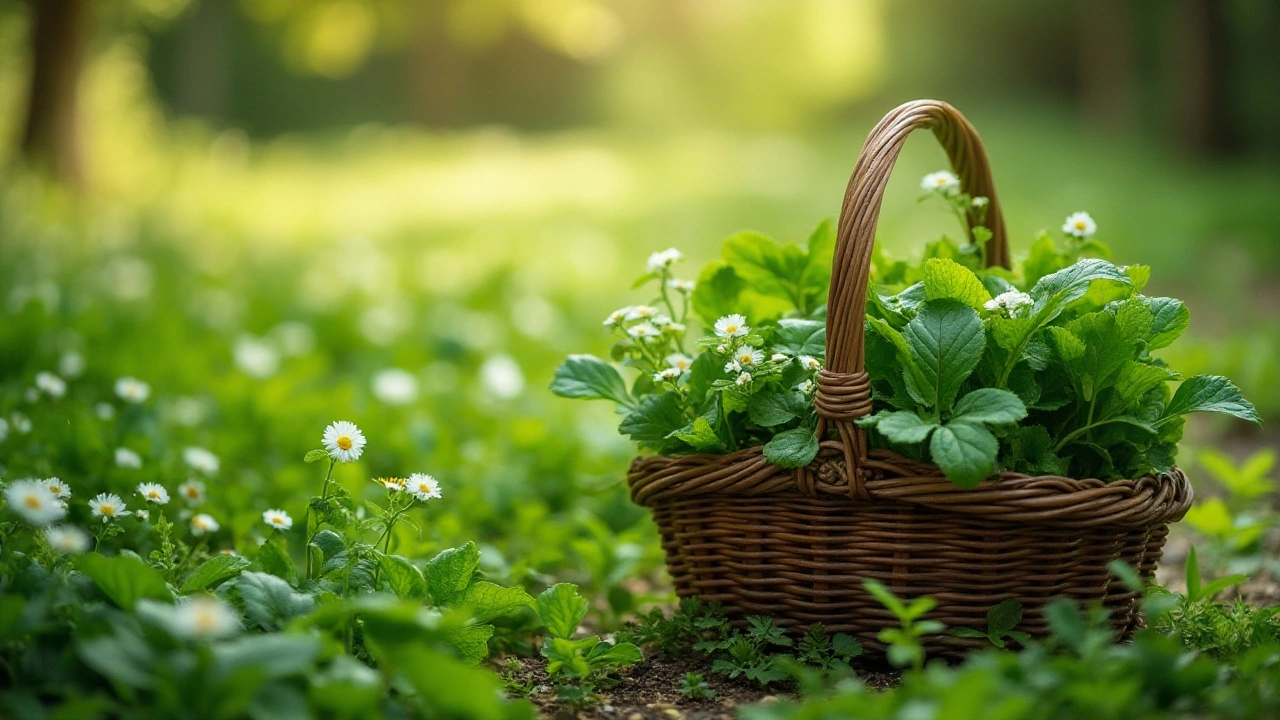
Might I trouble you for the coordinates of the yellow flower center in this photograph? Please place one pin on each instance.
(193, 492)
(1080, 225)
(731, 328)
(33, 502)
(344, 442)
(153, 494)
(108, 510)
(277, 520)
(204, 621)
(941, 181)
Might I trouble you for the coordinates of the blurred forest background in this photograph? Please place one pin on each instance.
(446, 182)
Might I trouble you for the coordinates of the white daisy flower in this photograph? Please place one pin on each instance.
(21, 423)
(51, 385)
(942, 181)
(684, 286)
(641, 312)
(664, 259)
(192, 491)
(805, 387)
(680, 361)
(732, 326)
(423, 487)
(203, 523)
(277, 519)
(104, 411)
(643, 331)
(732, 366)
(34, 502)
(71, 364)
(132, 390)
(780, 357)
(67, 539)
(667, 374)
(981, 201)
(202, 617)
(197, 458)
(743, 379)
(394, 386)
(344, 441)
(108, 506)
(154, 493)
(722, 348)
(810, 362)
(674, 328)
(127, 458)
(617, 316)
(60, 489)
(1079, 225)
(392, 484)
(4, 429)
(143, 514)
(661, 320)
(1008, 303)
(748, 357)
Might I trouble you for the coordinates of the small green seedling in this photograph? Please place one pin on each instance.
(828, 653)
(577, 666)
(1001, 621)
(904, 643)
(744, 653)
(694, 687)
(1197, 589)
(1247, 481)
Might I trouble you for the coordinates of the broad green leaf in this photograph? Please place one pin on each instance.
(125, 579)
(1069, 346)
(316, 455)
(1108, 348)
(1011, 333)
(700, 435)
(448, 688)
(654, 419)
(273, 557)
(1170, 318)
(607, 654)
(768, 409)
(1138, 275)
(1031, 451)
(1042, 259)
(946, 341)
(486, 601)
(793, 448)
(471, 642)
(562, 610)
(914, 380)
(274, 655)
(449, 573)
(989, 405)
(1135, 380)
(768, 267)
(404, 578)
(947, 279)
(329, 544)
(966, 452)
(820, 251)
(269, 601)
(717, 293)
(1053, 292)
(1004, 617)
(1209, 393)
(589, 377)
(902, 426)
(796, 336)
(211, 572)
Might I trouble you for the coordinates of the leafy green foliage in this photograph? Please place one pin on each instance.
(578, 666)
(695, 687)
(1002, 619)
(904, 645)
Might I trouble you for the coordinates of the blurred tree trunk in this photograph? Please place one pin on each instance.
(1108, 53)
(51, 138)
(1202, 111)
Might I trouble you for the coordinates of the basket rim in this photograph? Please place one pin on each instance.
(887, 477)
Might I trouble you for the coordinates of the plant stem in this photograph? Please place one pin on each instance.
(312, 532)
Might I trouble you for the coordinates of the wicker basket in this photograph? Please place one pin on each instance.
(797, 544)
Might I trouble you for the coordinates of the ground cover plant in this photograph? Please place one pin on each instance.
(1045, 369)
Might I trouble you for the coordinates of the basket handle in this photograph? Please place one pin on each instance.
(844, 392)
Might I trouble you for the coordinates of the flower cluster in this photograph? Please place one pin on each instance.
(651, 337)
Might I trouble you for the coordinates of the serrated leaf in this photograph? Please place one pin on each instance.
(947, 279)
(1004, 617)
(1054, 292)
(315, 455)
(562, 610)
(607, 654)
(793, 448)
(590, 378)
(946, 340)
(653, 420)
(717, 293)
(211, 572)
(1170, 318)
(699, 435)
(768, 409)
(486, 601)
(800, 337)
(902, 426)
(270, 601)
(1209, 393)
(273, 557)
(404, 578)
(449, 573)
(125, 579)
(329, 543)
(767, 267)
(471, 641)
(965, 452)
(989, 405)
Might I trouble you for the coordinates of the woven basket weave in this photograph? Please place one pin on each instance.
(797, 544)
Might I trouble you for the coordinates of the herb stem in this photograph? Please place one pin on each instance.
(312, 532)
